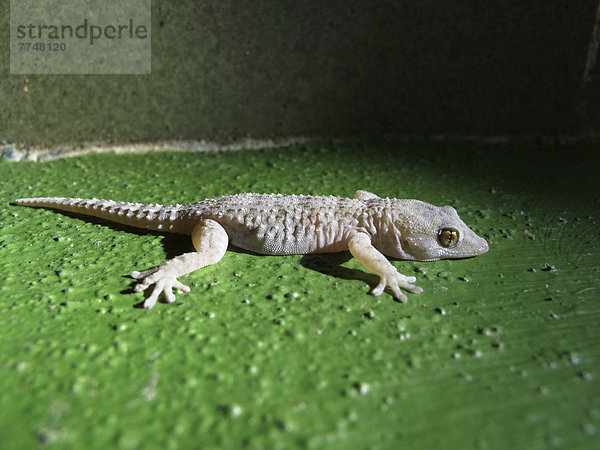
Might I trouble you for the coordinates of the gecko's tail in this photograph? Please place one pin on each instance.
(167, 218)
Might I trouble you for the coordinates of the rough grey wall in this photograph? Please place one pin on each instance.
(338, 67)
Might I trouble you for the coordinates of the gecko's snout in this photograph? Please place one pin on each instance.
(484, 247)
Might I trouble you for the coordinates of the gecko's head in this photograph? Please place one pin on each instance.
(428, 233)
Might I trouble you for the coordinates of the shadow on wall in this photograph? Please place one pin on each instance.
(564, 174)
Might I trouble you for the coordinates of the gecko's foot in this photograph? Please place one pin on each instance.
(164, 281)
(396, 281)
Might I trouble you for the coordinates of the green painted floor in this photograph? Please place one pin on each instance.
(500, 351)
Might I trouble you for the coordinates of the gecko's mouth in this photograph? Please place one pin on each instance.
(475, 251)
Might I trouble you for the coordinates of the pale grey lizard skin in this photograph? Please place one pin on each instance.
(274, 224)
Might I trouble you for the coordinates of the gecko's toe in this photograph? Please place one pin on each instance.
(169, 296)
(402, 298)
(151, 301)
(412, 288)
(141, 286)
(143, 274)
(416, 289)
(180, 286)
(378, 290)
(398, 294)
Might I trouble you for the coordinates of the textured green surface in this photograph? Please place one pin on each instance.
(340, 67)
(289, 351)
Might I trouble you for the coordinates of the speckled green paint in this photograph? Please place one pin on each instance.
(290, 351)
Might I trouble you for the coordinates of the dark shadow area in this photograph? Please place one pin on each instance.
(340, 68)
(331, 264)
(562, 172)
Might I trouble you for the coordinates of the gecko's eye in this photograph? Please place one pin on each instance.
(448, 237)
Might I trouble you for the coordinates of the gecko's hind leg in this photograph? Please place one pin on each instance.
(210, 241)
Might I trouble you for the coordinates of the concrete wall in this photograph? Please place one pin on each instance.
(277, 68)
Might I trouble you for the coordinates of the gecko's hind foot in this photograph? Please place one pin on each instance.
(164, 281)
(396, 281)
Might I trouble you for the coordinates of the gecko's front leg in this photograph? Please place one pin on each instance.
(210, 241)
(361, 248)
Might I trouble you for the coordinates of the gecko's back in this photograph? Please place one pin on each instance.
(283, 224)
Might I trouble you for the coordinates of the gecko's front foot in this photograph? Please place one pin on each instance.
(395, 281)
(163, 278)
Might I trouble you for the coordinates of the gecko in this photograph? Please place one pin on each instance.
(274, 224)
